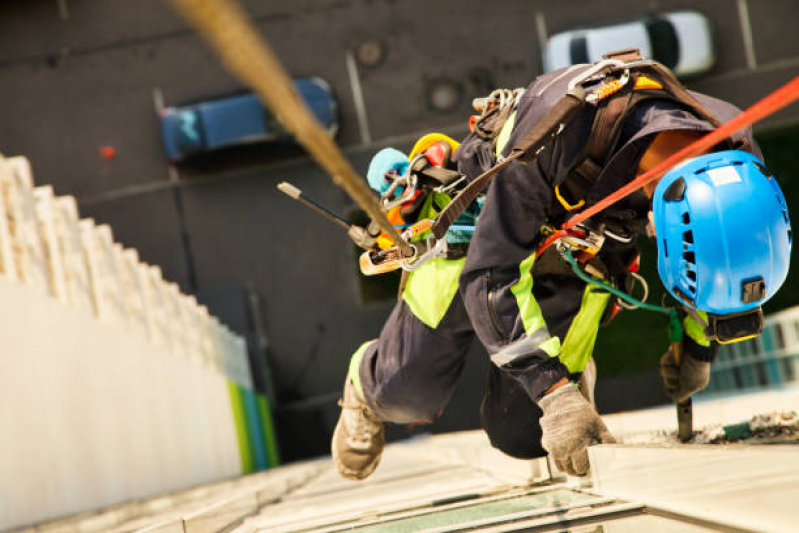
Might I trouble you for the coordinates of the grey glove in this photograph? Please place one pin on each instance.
(680, 382)
(570, 425)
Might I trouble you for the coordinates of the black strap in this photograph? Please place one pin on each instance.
(608, 121)
(553, 123)
(528, 148)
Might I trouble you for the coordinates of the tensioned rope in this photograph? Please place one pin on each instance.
(228, 30)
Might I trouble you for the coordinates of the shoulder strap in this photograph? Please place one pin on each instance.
(603, 137)
(528, 148)
(657, 82)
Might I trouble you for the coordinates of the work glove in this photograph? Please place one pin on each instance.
(680, 382)
(570, 425)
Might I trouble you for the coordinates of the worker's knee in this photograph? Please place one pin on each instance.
(403, 400)
(520, 439)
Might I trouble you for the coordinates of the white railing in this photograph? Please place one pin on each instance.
(113, 384)
(46, 246)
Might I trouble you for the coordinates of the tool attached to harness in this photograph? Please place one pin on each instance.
(419, 193)
(618, 269)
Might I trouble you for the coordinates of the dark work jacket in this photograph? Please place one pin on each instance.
(520, 200)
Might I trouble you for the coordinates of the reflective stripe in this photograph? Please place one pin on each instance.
(695, 329)
(504, 133)
(537, 335)
(529, 310)
(354, 371)
(579, 342)
(551, 346)
(430, 290)
(520, 348)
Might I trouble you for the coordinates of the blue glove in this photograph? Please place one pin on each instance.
(386, 160)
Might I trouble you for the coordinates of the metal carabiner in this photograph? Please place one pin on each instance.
(409, 182)
(600, 66)
(644, 285)
(437, 249)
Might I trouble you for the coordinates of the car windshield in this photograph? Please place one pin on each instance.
(665, 45)
(188, 131)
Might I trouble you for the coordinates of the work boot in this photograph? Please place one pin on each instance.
(359, 437)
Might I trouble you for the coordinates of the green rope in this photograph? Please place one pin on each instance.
(675, 327)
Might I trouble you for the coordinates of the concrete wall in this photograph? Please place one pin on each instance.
(94, 415)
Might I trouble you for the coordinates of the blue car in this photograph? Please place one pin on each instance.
(207, 126)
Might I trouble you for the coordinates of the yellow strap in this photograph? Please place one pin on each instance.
(566, 205)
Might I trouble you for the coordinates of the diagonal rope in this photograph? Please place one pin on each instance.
(228, 30)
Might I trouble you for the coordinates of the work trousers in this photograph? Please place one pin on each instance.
(410, 372)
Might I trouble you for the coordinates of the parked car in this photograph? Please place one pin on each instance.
(237, 120)
(681, 40)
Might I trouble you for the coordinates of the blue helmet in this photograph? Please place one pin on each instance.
(723, 233)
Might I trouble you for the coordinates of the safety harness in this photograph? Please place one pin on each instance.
(615, 87)
(627, 80)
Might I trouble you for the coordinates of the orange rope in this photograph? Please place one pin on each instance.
(772, 103)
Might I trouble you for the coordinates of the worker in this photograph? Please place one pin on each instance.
(538, 320)
(409, 373)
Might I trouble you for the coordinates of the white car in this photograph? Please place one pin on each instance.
(681, 41)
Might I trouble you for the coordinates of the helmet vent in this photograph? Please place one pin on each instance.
(683, 297)
(675, 191)
(689, 257)
(753, 290)
(686, 218)
(692, 276)
(763, 170)
(688, 237)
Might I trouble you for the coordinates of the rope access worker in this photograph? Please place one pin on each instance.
(409, 373)
(537, 319)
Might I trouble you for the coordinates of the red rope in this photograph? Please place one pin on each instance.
(772, 103)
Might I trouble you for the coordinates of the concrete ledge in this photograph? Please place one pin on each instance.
(749, 487)
(710, 409)
(473, 448)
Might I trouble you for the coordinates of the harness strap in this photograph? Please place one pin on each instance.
(603, 138)
(528, 148)
(658, 83)
(604, 135)
(628, 55)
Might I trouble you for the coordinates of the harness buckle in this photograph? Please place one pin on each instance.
(606, 66)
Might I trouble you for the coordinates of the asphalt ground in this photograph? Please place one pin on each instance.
(81, 74)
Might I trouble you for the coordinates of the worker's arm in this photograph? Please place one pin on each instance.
(693, 373)
(497, 283)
